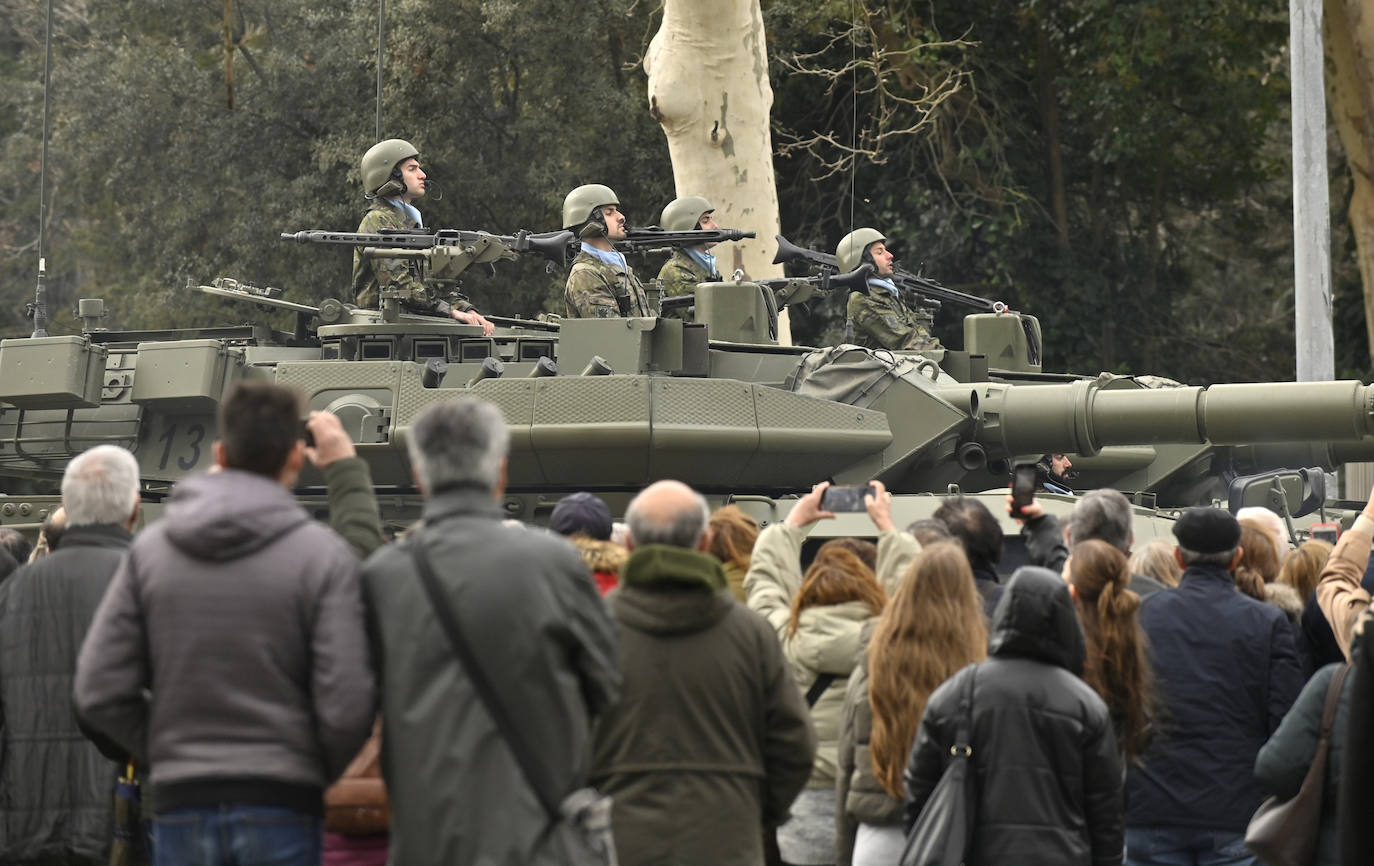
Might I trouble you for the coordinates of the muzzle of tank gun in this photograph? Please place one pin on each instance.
(1084, 416)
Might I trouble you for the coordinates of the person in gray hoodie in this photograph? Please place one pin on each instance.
(230, 653)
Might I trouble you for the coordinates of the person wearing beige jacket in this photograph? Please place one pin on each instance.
(1339, 594)
(820, 618)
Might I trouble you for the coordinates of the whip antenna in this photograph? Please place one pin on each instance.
(38, 310)
(381, 52)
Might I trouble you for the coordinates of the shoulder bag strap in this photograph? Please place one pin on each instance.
(505, 724)
(963, 737)
(818, 688)
(1333, 697)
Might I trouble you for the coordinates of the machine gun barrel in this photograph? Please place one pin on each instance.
(854, 281)
(645, 240)
(551, 245)
(906, 282)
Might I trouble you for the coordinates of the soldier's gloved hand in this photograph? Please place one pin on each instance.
(332, 442)
(472, 317)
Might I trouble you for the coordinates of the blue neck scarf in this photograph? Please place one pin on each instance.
(411, 213)
(705, 259)
(879, 283)
(610, 257)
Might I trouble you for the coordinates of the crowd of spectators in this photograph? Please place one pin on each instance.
(721, 686)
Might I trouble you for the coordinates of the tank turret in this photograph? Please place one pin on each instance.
(613, 404)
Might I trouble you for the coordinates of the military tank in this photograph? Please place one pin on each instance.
(610, 405)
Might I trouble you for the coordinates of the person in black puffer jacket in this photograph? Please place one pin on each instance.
(1048, 773)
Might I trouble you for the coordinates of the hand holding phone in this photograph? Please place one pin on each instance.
(1022, 488)
(847, 499)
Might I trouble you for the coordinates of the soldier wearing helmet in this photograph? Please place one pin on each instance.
(601, 284)
(393, 180)
(880, 319)
(691, 265)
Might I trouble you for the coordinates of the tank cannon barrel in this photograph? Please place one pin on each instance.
(1082, 417)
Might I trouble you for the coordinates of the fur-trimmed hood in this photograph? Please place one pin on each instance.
(1285, 598)
(603, 556)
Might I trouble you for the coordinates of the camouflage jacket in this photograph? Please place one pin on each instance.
(681, 273)
(597, 290)
(370, 274)
(882, 321)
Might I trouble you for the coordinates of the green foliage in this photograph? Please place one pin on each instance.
(1160, 244)
(157, 181)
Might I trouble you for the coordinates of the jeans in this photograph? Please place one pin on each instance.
(1186, 846)
(237, 836)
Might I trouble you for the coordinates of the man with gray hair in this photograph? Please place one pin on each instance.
(711, 742)
(57, 785)
(527, 606)
(1103, 515)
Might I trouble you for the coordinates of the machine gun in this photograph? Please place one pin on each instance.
(916, 289)
(655, 240)
(787, 290)
(446, 252)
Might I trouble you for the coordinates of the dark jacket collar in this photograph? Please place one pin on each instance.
(670, 590)
(657, 564)
(95, 535)
(460, 500)
(1208, 574)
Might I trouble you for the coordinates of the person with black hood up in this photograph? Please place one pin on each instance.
(1048, 772)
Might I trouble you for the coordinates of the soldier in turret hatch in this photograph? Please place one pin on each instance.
(601, 284)
(392, 181)
(690, 265)
(880, 319)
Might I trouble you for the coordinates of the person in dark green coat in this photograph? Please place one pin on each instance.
(710, 742)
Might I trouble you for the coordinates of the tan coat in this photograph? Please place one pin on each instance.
(828, 638)
(1339, 593)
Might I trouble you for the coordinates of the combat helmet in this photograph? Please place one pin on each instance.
(581, 207)
(852, 247)
(380, 161)
(684, 214)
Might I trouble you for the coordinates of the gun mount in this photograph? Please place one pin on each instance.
(613, 404)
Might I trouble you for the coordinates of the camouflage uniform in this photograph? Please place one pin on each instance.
(595, 290)
(882, 321)
(681, 273)
(370, 274)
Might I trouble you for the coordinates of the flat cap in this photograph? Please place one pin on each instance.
(1207, 530)
(583, 513)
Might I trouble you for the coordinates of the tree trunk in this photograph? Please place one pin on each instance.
(1349, 39)
(709, 90)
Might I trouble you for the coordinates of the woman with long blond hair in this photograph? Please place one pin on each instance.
(732, 534)
(933, 626)
(820, 617)
(1116, 666)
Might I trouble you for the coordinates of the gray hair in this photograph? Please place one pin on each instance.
(684, 527)
(458, 442)
(1104, 515)
(1192, 557)
(100, 486)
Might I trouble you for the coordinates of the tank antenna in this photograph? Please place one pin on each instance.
(381, 51)
(38, 310)
(854, 106)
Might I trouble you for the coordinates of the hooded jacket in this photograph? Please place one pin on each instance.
(1045, 757)
(1226, 672)
(710, 742)
(55, 786)
(244, 619)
